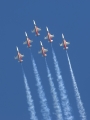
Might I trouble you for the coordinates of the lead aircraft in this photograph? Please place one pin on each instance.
(36, 29)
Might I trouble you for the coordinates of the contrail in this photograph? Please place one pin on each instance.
(29, 99)
(44, 107)
(56, 103)
(64, 97)
(77, 94)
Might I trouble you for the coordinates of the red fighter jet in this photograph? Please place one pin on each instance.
(19, 56)
(64, 43)
(28, 41)
(49, 36)
(36, 29)
(43, 50)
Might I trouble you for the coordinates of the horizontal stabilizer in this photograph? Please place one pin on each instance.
(66, 47)
(29, 47)
(20, 61)
(51, 40)
(37, 34)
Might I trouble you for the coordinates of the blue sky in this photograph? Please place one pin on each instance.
(68, 17)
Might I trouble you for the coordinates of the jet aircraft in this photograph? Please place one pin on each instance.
(43, 50)
(64, 43)
(19, 55)
(36, 29)
(28, 41)
(49, 36)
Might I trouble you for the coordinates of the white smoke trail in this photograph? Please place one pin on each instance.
(44, 107)
(56, 103)
(29, 99)
(64, 97)
(77, 94)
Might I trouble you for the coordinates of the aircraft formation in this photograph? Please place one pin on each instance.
(65, 100)
(43, 50)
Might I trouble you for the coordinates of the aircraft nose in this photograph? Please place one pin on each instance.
(62, 35)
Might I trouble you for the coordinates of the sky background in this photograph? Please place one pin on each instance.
(72, 18)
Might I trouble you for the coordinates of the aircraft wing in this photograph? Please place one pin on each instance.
(25, 42)
(61, 44)
(51, 35)
(38, 29)
(45, 50)
(16, 57)
(40, 52)
(46, 37)
(67, 43)
(21, 55)
(33, 31)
